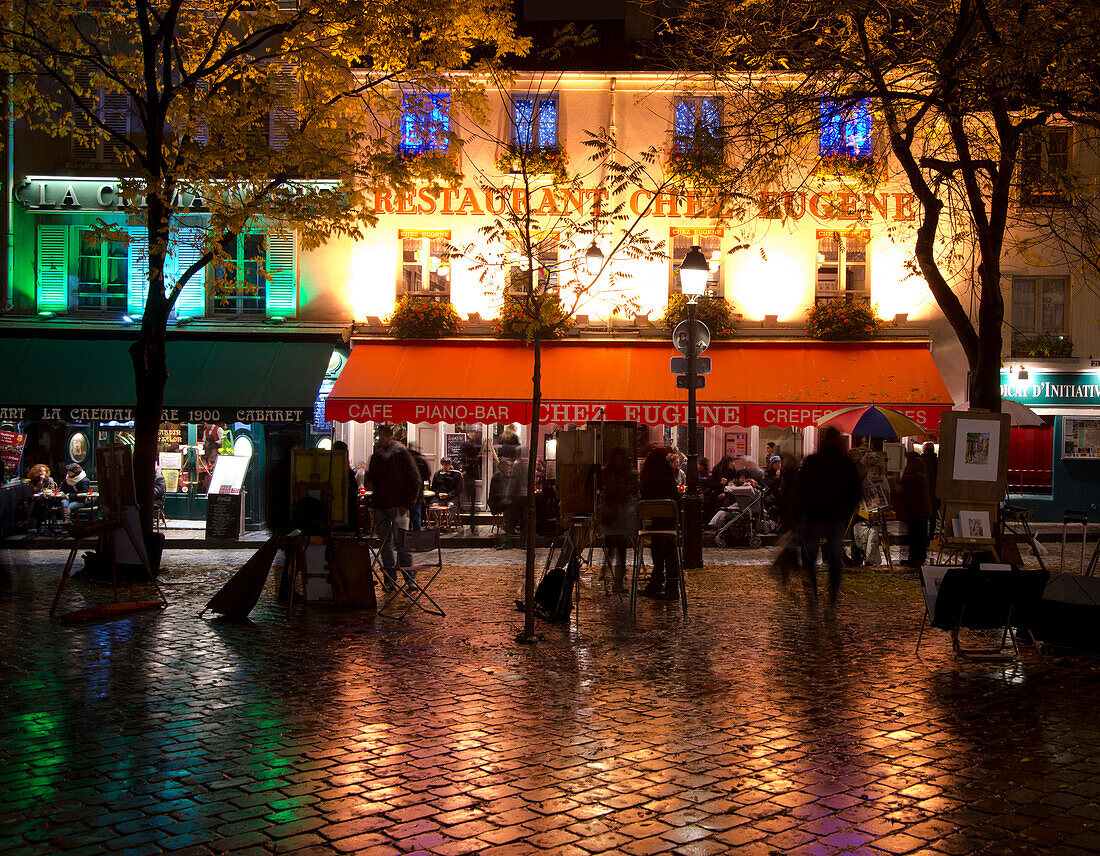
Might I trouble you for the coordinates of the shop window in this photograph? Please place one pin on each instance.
(534, 122)
(425, 264)
(709, 241)
(259, 279)
(1038, 309)
(545, 254)
(846, 129)
(1044, 166)
(1031, 460)
(425, 124)
(697, 125)
(842, 266)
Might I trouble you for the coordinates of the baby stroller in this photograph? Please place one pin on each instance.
(747, 522)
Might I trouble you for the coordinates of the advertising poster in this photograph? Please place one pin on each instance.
(11, 450)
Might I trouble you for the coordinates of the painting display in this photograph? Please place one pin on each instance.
(977, 450)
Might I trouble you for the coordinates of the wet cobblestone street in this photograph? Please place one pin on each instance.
(756, 725)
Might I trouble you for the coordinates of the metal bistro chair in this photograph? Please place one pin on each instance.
(427, 564)
(656, 517)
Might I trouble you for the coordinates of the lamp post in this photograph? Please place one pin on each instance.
(693, 282)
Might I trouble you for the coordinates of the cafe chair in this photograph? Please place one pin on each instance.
(656, 517)
(427, 563)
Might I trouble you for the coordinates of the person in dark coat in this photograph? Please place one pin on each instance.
(471, 472)
(828, 493)
(396, 488)
(76, 482)
(617, 498)
(416, 513)
(932, 465)
(914, 507)
(658, 481)
(447, 483)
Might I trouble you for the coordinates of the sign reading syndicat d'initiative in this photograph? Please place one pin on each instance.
(1053, 388)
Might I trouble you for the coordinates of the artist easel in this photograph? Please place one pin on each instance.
(117, 502)
(966, 484)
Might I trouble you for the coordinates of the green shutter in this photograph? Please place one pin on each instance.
(192, 299)
(137, 290)
(282, 268)
(53, 268)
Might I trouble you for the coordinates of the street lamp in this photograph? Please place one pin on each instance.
(593, 259)
(694, 272)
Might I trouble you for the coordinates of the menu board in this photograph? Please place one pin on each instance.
(453, 445)
(1080, 437)
(229, 473)
(223, 515)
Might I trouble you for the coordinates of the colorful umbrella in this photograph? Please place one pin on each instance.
(871, 421)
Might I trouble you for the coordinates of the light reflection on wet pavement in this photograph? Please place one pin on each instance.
(755, 725)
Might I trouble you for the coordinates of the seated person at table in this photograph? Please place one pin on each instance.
(40, 482)
(447, 484)
(76, 487)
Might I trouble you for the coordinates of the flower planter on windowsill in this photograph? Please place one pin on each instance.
(1042, 346)
(549, 161)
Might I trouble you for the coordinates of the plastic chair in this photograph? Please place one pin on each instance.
(656, 517)
(414, 580)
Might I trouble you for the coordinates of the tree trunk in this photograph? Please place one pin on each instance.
(149, 357)
(532, 461)
(985, 371)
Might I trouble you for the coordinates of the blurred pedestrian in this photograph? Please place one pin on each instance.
(471, 472)
(396, 487)
(828, 492)
(617, 499)
(914, 507)
(932, 465)
(658, 481)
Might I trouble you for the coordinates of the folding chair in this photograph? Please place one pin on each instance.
(656, 517)
(413, 582)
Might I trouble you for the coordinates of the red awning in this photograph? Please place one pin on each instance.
(789, 384)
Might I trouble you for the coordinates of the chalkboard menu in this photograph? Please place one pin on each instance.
(453, 444)
(223, 515)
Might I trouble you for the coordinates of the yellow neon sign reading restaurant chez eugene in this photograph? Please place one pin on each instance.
(483, 201)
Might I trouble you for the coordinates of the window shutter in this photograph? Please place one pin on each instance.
(53, 268)
(83, 151)
(192, 299)
(283, 119)
(282, 268)
(137, 291)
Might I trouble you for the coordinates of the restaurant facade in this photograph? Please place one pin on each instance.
(304, 353)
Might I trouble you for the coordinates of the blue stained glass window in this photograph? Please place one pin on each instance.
(696, 118)
(535, 128)
(548, 122)
(846, 129)
(425, 123)
(524, 119)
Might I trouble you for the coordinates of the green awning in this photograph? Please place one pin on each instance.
(81, 380)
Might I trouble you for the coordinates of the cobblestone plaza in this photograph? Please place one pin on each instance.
(756, 725)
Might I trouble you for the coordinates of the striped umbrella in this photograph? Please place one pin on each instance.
(871, 421)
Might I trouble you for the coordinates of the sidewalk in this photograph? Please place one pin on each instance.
(754, 725)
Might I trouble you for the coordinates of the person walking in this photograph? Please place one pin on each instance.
(471, 472)
(658, 481)
(914, 508)
(932, 465)
(396, 487)
(617, 498)
(828, 492)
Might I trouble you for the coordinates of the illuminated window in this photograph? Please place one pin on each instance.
(842, 266)
(241, 287)
(1044, 166)
(425, 123)
(680, 242)
(1038, 308)
(846, 129)
(545, 253)
(534, 122)
(697, 124)
(425, 263)
(102, 272)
